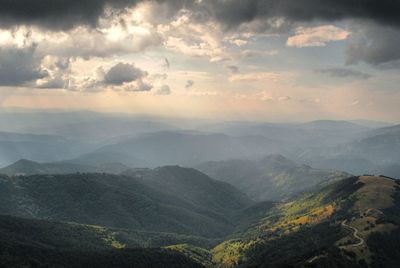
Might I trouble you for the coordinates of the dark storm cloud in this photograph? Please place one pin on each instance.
(65, 14)
(123, 73)
(235, 12)
(56, 14)
(375, 45)
(19, 66)
(344, 73)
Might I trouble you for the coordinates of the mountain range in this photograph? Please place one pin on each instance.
(197, 222)
(375, 152)
(272, 177)
(126, 201)
(94, 190)
(94, 139)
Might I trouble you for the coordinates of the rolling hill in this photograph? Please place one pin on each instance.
(39, 243)
(350, 223)
(27, 167)
(126, 202)
(84, 126)
(185, 148)
(374, 152)
(270, 178)
(296, 135)
(194, 187)
(16, 146)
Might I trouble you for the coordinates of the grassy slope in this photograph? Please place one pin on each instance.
(308, 231)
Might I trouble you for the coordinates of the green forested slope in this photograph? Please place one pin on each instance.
(125, 202)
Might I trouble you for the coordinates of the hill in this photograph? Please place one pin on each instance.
(125, 202)
(102, 159)
(194, 187)
(351, 223)
(295, 135)
(27, 167)
(271, 178)
(375, 152)
(83, 126)
(15, 146)
(68, 235)
(38, 243)
(185, 148)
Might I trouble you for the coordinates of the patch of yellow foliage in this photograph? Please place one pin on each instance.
(231, 253)
(313, 217)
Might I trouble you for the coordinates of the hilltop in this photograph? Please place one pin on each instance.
(27, 167)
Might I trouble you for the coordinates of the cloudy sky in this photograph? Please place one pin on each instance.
(230, 59)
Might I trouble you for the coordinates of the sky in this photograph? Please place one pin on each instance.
(271, 60)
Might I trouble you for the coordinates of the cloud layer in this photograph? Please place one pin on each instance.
(66, 14)
(259, 54)
(56, 14)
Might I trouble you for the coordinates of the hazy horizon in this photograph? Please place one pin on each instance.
(361, 121)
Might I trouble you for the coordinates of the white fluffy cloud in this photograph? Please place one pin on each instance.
(58, 73)
(316, 36)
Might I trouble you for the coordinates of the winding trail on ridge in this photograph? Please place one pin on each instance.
(355, 234)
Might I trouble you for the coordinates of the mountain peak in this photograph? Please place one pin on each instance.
(25, 162)
(276, 158)
(21, 167)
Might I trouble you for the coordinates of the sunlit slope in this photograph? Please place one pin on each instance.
(345, 224)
